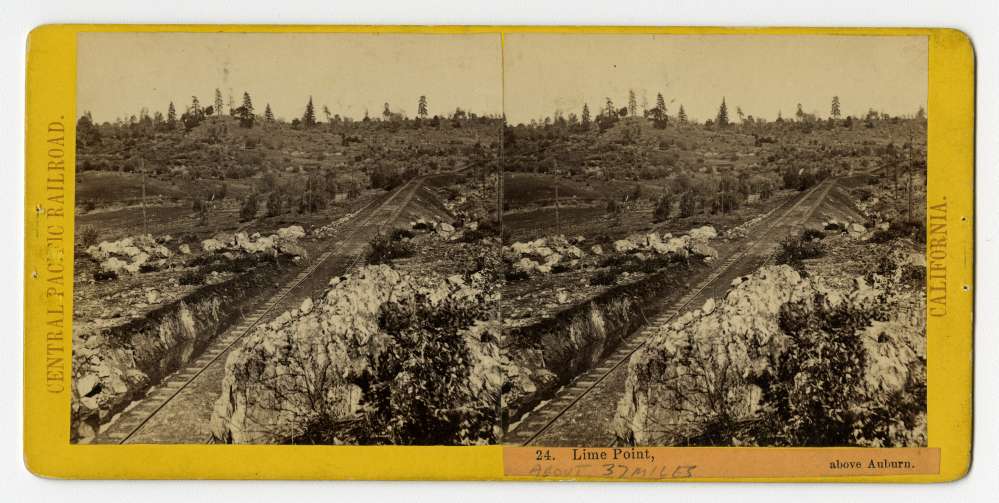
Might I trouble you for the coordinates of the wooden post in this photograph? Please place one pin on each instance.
(142, 167)
(558, 223)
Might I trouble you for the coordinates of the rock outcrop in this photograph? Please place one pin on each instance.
(346, 359)
(129, 254)
(283, 241)
(715, 375)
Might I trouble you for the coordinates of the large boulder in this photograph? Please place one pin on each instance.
(335, 369)
(291, 233)
(699, 380)
(624, 246)
(704, 233)
(703, 249)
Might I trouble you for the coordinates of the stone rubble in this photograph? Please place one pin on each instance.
(543, 254)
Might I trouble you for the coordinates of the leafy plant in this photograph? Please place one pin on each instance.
(385, 249)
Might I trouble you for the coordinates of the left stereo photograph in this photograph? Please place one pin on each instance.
(287, 238)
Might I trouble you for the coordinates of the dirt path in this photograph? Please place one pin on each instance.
(581, 414)
(179, 409)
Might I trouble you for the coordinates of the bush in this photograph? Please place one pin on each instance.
(148, 268)
(248, 210)
(612, 207)
(87, 236)
(515, 275)
(423, 226)
(663, 208)
(795, 249)
(486, 229)
(105, 275)
(912, 230)
(913, 275)
(400, 234)
(812, 234)
(604, 277)
(384, 249)
(810, 391)
(195, 277)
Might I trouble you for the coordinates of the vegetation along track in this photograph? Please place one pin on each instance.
(346, 254)
(544, 417)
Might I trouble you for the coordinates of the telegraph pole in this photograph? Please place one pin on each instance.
(558, 223)
(142, 168)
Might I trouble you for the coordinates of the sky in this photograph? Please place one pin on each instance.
(528, 76)
(120, 73)
(759, 73)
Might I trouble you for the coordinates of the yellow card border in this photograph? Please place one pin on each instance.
(49, 203)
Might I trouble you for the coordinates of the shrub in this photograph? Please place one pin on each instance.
(87, 236)
(148, 268)
(195, 277)
(612, 207)
(400, 234)
(913, 275)
(604, 277)
(423, 226)
(812, 234)
(248, 210)
(794, 249)
(105, 275)
(515, 275)
(810, 391)
(384, 249)
(912, 230)
(663, 208)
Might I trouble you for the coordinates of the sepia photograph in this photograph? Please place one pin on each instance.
(544, 239)
(287, 239)
(714, 240)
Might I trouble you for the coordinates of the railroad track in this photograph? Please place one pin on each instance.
(542, 418)
(347, 254)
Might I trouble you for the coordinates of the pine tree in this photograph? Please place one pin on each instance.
(86, 132)
(834, 111)
(609, 108)
(309, 117)
(664, 206)
(171, 116)
(386, 112)
(800, 113)
(218, 103)
(195, 109)
(659, 112)
(722, 119)
(268, 114)
(245, 112)
(682, 115)
(328, 114)
(632, 103)
(421, 108)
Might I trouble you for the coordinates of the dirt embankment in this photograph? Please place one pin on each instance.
(550, 353)
(117, 365)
